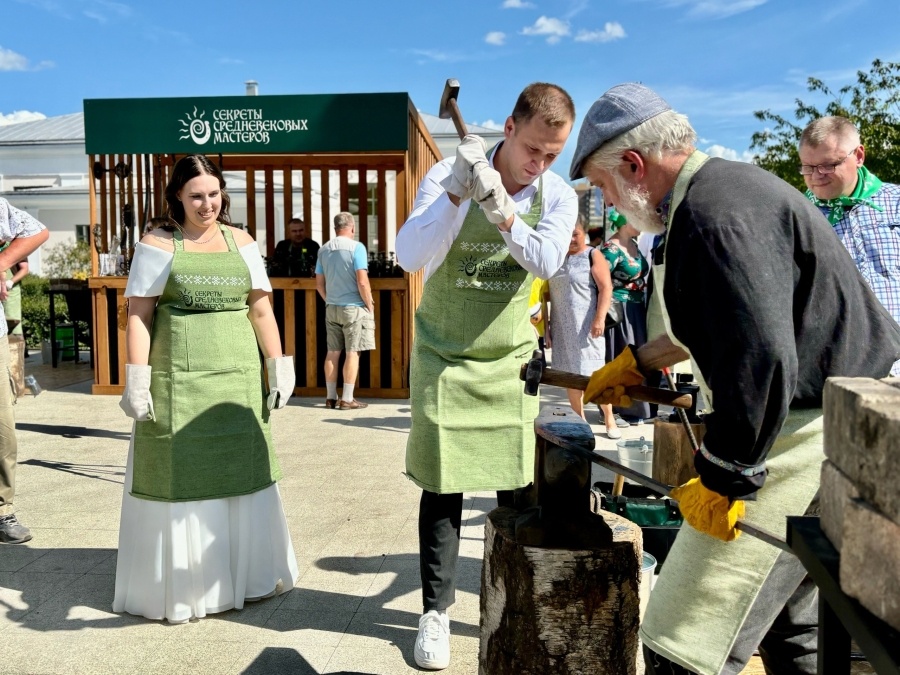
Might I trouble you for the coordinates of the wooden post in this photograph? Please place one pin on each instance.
(559, 611)
(559, 584)
(673, 457)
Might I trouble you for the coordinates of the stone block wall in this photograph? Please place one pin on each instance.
(860, 491)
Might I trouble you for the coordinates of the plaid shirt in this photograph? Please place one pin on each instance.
(15, 223)
(873, 240)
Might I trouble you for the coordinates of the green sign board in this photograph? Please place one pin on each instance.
(248, 124)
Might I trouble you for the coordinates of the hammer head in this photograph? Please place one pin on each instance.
(533, 371)
(451, 92)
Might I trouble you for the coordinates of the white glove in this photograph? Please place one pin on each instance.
(469, 154)
(490, 194)
(282, 379)
(136, 400)
(9, 284)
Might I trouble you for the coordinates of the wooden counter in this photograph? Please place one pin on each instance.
(300, 313)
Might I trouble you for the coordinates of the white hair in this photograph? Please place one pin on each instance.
(667, 133)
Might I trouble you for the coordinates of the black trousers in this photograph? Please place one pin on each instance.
(785, 631)
(440, 517)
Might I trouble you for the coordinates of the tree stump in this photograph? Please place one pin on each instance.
(673, 457)
(547, 611)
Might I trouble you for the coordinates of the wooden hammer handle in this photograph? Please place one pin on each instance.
(561, 378)
(457, 118)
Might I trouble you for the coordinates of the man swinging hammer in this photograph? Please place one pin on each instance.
(483, 225)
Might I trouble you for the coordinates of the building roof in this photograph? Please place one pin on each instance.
(59, 129)
(438, 127)
(70, 129)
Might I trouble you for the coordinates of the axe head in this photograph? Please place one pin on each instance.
(451, 92)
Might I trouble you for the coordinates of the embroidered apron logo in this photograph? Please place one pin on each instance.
(497, 269)
(469, 266)
(186, 298)
(208, 300)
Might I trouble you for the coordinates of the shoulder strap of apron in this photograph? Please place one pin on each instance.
(229, 237)
(177, 239)
(688, 169)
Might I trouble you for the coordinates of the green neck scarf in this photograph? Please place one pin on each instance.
(867, 184)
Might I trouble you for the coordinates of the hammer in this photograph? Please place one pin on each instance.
(449, 110)
(534, 373)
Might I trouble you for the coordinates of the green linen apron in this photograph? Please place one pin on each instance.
(707, 587)
(472, 425)
(12, 306)
(211, 435)
(12, 309)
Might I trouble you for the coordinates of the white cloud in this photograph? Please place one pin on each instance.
(490, 124)
(715, 9)
(728, 153)
(516, 4)
(554, 29)
(10, 60)
(576, 8)
(612, 30)
(724, 103)
(227, 61)
(20, 116)
(495, 37)
(104, 10)
(439, 56)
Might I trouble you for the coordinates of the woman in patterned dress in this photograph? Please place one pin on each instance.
(629, 270)
(580, 294)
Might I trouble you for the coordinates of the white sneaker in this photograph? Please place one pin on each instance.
(432, 650)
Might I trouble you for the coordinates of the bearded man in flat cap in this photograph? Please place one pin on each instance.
(752, 285)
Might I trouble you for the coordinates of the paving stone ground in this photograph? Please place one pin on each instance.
(352, 516)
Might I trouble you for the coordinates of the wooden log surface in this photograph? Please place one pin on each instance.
(558, 611)
(673, 457)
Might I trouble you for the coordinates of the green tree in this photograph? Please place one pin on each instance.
(872, 104)
(68, 260)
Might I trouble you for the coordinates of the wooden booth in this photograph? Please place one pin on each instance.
(309, 156)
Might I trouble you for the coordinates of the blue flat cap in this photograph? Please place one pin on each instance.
(620, 109)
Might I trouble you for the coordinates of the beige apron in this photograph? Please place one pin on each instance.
(707, 587)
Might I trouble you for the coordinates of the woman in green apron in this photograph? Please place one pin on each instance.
(202, 528)
(482, 229)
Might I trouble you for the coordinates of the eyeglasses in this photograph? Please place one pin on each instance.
(824, 169)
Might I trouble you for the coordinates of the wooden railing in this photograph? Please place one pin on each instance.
(300, 313)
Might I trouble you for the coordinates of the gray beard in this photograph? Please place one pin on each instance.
(635, 206)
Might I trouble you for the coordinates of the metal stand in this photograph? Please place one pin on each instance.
(840, 616)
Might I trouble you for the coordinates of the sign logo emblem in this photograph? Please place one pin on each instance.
(195, 127)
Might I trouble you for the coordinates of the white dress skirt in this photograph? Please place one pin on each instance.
(184, 560)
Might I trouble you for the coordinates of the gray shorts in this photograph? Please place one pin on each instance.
(350, 328)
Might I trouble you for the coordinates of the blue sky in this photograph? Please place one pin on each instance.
(715, 60)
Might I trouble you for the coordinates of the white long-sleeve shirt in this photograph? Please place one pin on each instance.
(435, 222)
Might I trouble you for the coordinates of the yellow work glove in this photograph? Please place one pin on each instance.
(708, 511)
(607, 385)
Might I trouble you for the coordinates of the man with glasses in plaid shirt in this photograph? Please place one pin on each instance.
(864, 211)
